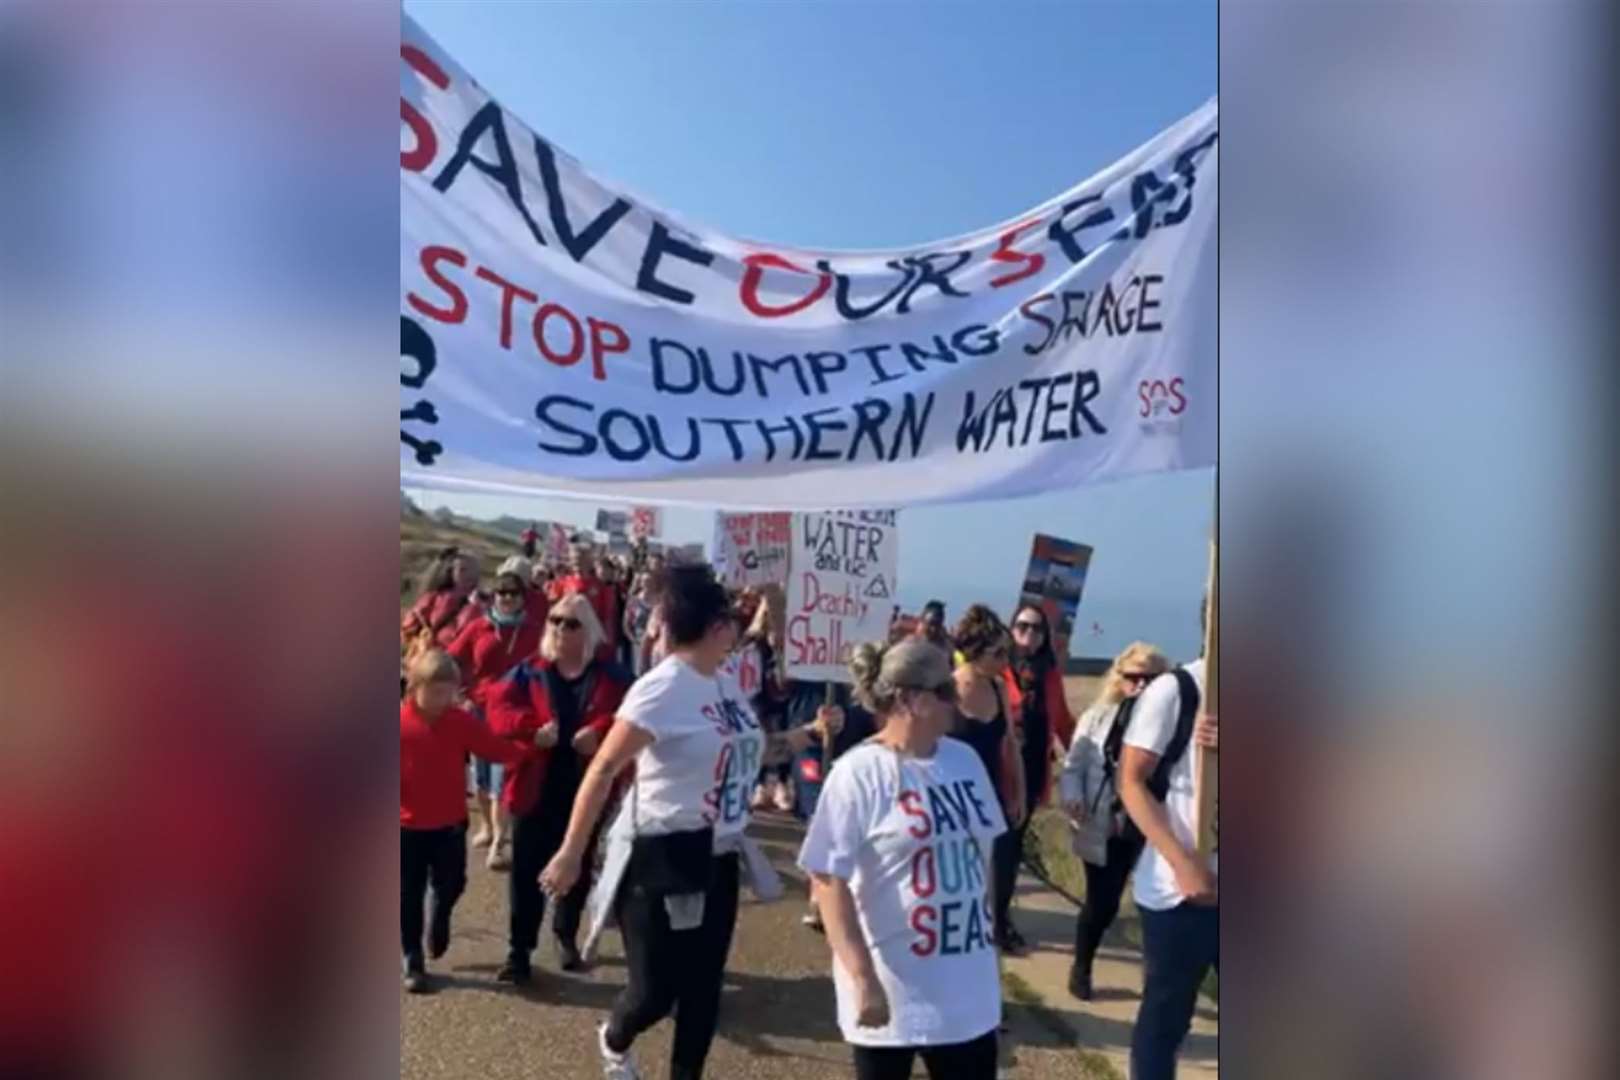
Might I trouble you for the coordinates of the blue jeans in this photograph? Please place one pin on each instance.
(487, 776)
(1178, 947)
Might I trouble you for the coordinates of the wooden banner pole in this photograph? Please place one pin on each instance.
(1206, 765)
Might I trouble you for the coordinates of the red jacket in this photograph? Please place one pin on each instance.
(1059, 720)
(604, 600)
(519, 706)
(486, 651)
(433, 764)
(435, 609)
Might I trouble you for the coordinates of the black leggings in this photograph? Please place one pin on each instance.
(1104, 887)
(438, 856)
(1005, 855)
(675, 969)
(536, 836)
(975, 1060)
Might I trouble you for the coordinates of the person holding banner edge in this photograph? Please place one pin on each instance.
(1176, 889)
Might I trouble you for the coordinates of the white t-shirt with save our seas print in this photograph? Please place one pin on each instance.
(705, 753)
(913, 836)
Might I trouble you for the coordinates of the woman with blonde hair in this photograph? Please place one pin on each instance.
(561, 701)
(1090, 795)
(898, 857)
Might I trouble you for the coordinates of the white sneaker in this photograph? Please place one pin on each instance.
(784, 798)
(498, 858)
(614, 1066)
(761, 799)
(481, 837)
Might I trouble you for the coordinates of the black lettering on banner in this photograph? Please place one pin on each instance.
(729, 426)
(503, 170)
(823, 364)
(846, 308)
(1027, 309)
(416, 345)
(1149, 303)
(661, 242)
(915, 354)
(816, 425)
(661, 380)
(545, 412)
(758, 365)
(869, 417)
(578, 245)
(871, 354)
(622, 451)
(1066, 236)
(988, 339)
(912, 425)
(982, 425)
(929, 274)
(788, 424)
(695, 442)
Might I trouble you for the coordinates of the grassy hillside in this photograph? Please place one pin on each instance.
(421, 537)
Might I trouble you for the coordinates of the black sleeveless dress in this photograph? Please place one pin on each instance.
(985, 736)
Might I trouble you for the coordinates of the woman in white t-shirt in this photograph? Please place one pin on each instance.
(697, 747)
(898, 852)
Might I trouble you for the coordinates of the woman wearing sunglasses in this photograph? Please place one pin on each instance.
(1040, 715)
(502, 637)
(1089, 790)
(984, 647)
(898, 855)
(561, 702)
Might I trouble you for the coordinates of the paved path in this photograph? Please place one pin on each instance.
(1102, 1025)
(776, 1021)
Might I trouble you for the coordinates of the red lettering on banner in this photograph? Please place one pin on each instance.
(602, 344)
(508, 291)
(457, 311)
(924, 878)
(576, 333)
(421, 155)
(748, 289)
(922, 920)
(911, 803)
(1032, 262)
(603, 338)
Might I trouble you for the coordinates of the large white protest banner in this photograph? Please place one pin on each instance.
(558, 334)
(752, 549)
(841, 589)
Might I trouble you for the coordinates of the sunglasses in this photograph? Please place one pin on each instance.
(508, 592)
(1032, 627)
(565, 623)
(1137, 676)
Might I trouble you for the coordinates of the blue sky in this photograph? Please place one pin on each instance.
(865, 125)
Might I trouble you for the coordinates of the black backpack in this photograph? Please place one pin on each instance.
(1159, 783)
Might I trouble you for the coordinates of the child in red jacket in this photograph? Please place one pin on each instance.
(434, 739)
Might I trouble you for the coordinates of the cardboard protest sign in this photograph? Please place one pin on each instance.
(557, 543)
(646, 522)
(842, 582)
(560, 335)
(1054, 580)
(752, 549)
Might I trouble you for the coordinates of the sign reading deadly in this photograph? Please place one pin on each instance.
(842, 583)
(557, 335)
(752, 549)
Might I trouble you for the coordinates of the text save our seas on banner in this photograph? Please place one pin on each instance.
(841, 589)
(560, 335)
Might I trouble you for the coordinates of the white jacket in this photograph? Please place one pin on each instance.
(1085, 780)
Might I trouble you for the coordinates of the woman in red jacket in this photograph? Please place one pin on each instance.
(434, 739)
(488, 647)
(563, 700)
(448, 600)
(1040, 714)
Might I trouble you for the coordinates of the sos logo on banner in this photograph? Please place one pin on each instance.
(1160, 405)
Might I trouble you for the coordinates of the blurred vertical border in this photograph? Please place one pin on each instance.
(1415, 498)
(198, 288)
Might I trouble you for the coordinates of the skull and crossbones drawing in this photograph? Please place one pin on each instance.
(415, 345)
